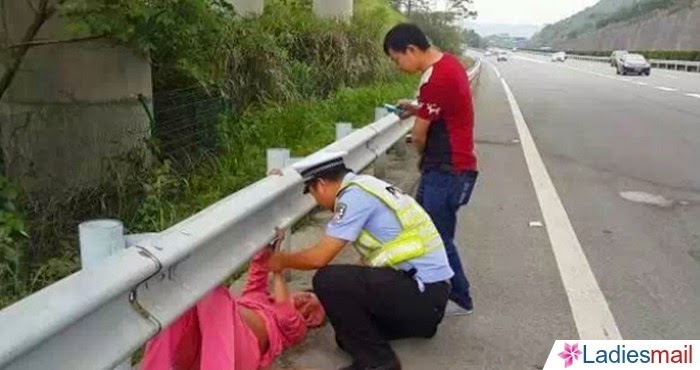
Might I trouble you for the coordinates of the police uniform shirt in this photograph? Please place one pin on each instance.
(356, 210)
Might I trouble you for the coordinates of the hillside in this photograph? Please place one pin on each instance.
(515, 30)
(663, 24)
(578, 23)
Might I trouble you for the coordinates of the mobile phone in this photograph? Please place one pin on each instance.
(393, 109)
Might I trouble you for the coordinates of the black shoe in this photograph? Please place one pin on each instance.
(393, 365)
(467, 305)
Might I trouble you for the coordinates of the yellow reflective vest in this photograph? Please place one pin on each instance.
(418, 234)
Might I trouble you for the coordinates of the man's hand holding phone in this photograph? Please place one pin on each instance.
(409, 108)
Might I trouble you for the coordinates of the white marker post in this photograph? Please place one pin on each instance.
(100, 239)
(342, 129)
(277, 159)
(380, 164)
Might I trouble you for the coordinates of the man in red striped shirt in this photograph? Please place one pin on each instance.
(443, 134)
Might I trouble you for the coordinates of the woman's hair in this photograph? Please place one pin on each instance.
(310, 308)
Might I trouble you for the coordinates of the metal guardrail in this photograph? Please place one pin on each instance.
(676, 65)
(97, 317)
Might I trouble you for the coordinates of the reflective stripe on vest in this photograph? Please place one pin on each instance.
(418, 234)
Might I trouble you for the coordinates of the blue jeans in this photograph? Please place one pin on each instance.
(441, 193)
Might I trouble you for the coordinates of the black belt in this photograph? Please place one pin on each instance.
(411, 273)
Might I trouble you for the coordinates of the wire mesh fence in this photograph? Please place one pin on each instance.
(185, 121)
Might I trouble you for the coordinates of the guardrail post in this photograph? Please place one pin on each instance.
(100, 239)
(400, 146)
(279, 158)
(342, 129)
(381, 163)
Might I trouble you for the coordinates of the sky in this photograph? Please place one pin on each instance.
(534, 12)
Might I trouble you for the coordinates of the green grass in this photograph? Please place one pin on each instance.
(364, 7)
(303, 127)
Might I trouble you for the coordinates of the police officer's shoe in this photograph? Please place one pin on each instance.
(393, 365)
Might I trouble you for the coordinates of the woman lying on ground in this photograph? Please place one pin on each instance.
(223, 332)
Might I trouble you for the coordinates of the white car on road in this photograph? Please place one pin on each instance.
(559, 57)
(502, 56)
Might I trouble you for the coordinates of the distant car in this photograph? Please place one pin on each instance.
(616, 56)
(502, 56)
(488, 53)
(559, 57)
(634, 63)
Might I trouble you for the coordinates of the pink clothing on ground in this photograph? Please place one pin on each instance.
(212, 335)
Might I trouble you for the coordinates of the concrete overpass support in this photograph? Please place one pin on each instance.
(337, 9)
(72, 108)
(248, 7)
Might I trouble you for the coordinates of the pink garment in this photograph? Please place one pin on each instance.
(212, 335)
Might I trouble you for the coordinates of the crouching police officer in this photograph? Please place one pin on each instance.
(401, 288)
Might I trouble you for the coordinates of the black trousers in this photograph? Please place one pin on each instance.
(369, 306)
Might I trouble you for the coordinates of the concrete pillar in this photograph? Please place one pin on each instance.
(248, 8)
(72, 108)
(336, 9)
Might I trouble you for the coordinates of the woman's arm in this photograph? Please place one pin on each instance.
(257, 270)
(280, 291)
(257, 274)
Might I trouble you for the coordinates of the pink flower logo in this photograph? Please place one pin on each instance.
(570, 354)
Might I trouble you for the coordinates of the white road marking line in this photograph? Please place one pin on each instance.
(663, 88)
(498, 73)
(592, 316)
(670, 76)
(693, 95)
(528, 59)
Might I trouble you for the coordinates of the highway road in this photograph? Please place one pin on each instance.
(623, 155)
(585, 222)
